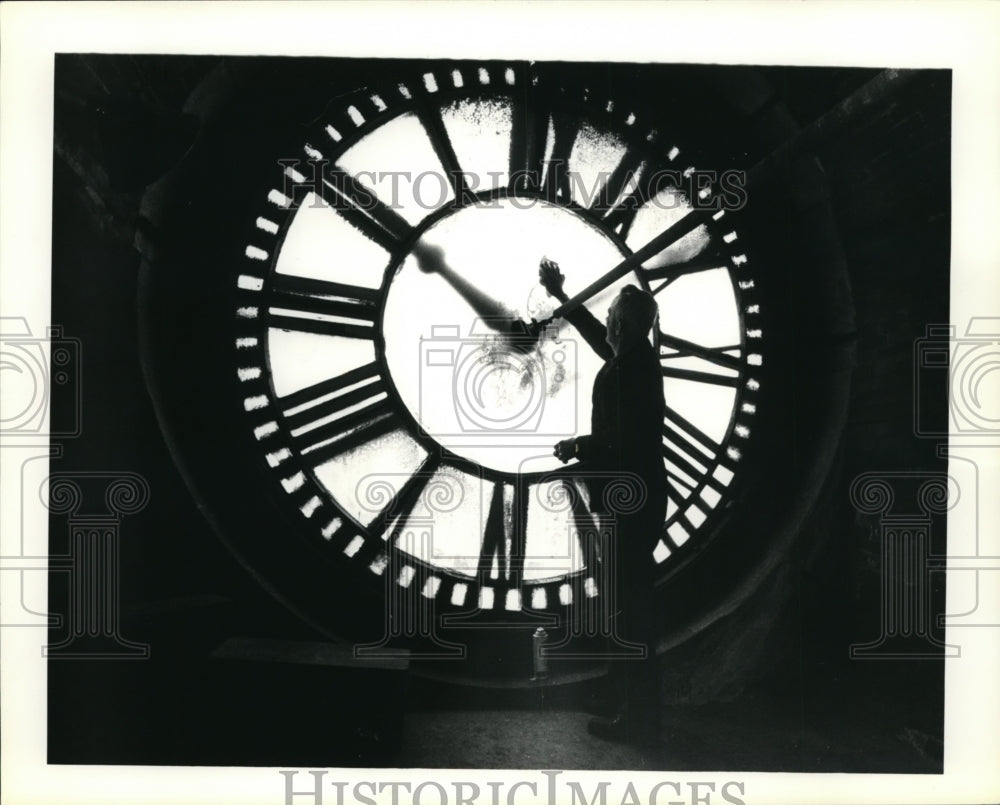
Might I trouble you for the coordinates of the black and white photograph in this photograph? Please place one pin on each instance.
(565, 423)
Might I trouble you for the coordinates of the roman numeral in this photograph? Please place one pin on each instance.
(586, 530)
(617, 182)
(313, 402)
(529, 131)
(310, 413)
(437, 133)
(529, 143)
(291, 295)
(494, 547)
(622, 215)
(403, 502)
(718, 356)
(500, 521)
(701, 377)
(519, 531)
(681, 449)
(557, 176)
(668, 274)
(696, 435)
(361, 208)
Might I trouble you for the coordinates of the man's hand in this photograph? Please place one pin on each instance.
(551, 278)
(565, 450)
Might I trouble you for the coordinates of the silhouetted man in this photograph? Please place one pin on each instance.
(625, 441)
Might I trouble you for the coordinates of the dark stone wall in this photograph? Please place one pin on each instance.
(889, 187)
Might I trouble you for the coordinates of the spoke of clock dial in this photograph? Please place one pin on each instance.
(361, 208)
(430, 118)
(348, 310)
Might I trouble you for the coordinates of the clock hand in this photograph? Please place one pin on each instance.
(669, 235)
(494, 314)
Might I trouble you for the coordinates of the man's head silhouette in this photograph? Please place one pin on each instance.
(630, 318)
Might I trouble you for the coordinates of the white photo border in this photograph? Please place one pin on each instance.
(962, 37)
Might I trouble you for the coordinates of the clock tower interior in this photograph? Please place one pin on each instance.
(237, 246)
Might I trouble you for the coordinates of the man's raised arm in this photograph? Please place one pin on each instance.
(585, 322)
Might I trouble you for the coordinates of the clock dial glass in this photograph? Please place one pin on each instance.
(466, 384)
(401, 418)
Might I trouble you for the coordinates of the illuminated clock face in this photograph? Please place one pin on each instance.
(412, 432)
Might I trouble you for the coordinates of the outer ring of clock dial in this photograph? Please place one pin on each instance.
(364, 112)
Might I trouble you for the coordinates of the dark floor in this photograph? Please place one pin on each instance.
(295, 703)
(247, 714)
(706, 738)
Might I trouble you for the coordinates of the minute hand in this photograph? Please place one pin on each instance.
(669, 235)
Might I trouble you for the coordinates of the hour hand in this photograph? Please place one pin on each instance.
(430, 258)
(494, 314)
